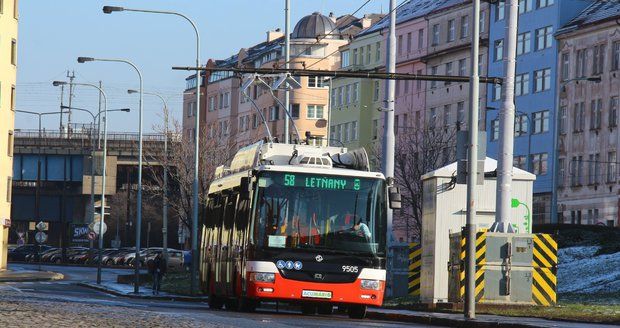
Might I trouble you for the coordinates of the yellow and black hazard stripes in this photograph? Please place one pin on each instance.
(544, 269)
(481, 248)
(415, 268)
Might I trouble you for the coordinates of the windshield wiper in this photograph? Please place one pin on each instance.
(332, 250)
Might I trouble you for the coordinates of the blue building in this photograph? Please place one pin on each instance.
(536, 85)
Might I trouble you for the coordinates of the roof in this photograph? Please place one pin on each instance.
(411, 10)
(597, 12)
(490, 165)
(314, 25)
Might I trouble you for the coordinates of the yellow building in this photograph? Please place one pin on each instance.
(8, 69)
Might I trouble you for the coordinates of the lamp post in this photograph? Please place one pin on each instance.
(95, 117)
(38, 188)
(556, 152)
(165, 198)
(194, 268)
(139, 198)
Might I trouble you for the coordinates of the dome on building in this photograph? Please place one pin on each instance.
(314, 25)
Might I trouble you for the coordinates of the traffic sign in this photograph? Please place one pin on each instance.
(92, 236)
(42, 226)
(95, 227)
(40, 237)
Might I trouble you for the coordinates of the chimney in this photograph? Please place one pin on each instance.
(274, 34)
(366, 22)
(332, 17)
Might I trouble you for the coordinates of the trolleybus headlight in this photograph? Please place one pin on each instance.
(262, 277)
(371, 284)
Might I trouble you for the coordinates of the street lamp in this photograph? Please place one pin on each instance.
(556, 152)
(139, 200)
(103, 174)
(194, 268)
(165, 198)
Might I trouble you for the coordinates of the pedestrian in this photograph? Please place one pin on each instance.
(187, 259)
(157, 268)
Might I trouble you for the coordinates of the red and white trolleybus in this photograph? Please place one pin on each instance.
(299, 224)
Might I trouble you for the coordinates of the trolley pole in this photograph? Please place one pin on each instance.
(389, 140)
(287, 58)
(472, 168)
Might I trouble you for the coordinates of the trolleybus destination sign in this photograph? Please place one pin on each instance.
(322, 182)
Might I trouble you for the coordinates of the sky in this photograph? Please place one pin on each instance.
(52, 34)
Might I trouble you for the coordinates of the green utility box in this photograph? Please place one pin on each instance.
(510, 268)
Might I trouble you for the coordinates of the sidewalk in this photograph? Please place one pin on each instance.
(145, 292)
(28, 276)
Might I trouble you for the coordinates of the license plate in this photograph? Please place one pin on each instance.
(316, 294)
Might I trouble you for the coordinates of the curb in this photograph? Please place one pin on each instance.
(178, 298)
(437, 321)
(54, 276)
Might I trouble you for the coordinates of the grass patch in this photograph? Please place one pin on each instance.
(178, 283)
(572, 312)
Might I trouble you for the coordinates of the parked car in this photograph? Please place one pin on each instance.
(71, 251)
(109, 259)
(20, 253)
(32, 257)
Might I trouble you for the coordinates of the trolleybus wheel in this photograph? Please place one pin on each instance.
(245, 304)
(308, 309)
(215, 303)
(357, 311)
(325, 309)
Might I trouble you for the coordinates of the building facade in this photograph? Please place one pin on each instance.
(589, 46)
(8, 74)
(535, 90)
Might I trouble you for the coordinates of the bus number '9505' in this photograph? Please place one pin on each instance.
(350, 268)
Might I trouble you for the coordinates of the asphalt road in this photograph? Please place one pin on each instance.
(63, 303)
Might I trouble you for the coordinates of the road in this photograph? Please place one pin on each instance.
(64, 304)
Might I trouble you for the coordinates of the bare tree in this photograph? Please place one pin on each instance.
(179, 163)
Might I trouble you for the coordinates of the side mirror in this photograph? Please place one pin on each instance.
(394, 197)
(245, 188)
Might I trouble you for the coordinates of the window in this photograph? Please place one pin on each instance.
(580, 67)
(378, 51)
(545, 3)
(227, 99)
(500, 10)
(460, 112)
(15, 9)
(314, 112)
(14, 52)
(563, 119)
(274, 113)
(579, 117)
(9, 187)
(10, 144)
(497, 92)
(544, 38)
(616, 56)
(539, 164)
(340, 96)
(400, 45)
(448, 71)
(446, 114)
(409, 42)
(541, 122)
(361, 60)
(521, 125)
(591, 169)
(211, 104)
(345, 132)
(315, 82)
(368, 54)
(355, 92)
(432, 119)
(522, 84)
(519, 161)
(611, 167)
(420, 39)
(596, 108)
(418, 83)
(482, 21)
(376, 91)
(451, 30)
(542, 80)
(464, 27)
(294, 110)
(463, 67)
(354, 130)
(523, 43)
(565, 66)
(481, 64)
(254, 121)
(396, 126)
(344, 59)
(375, 129)
(598, 59)
(12, 97)
(333, 97)
(494, 129)
(354, 56)
(1, 6)
(561, 172)
(347, 93)
(433, 72)
(435, 40)
(613, 112)
(525, 6)
(499, 50)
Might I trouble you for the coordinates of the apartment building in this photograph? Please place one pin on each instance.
(589, 46)
(8, 73)
(535, 90)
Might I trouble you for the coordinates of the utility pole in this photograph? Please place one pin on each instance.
(99, 120)
(287, 58)
(472, 167)
(62, 100)
(506, 125)
(71, 77)
(389, 140)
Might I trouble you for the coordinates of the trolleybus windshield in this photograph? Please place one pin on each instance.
(317, 211)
